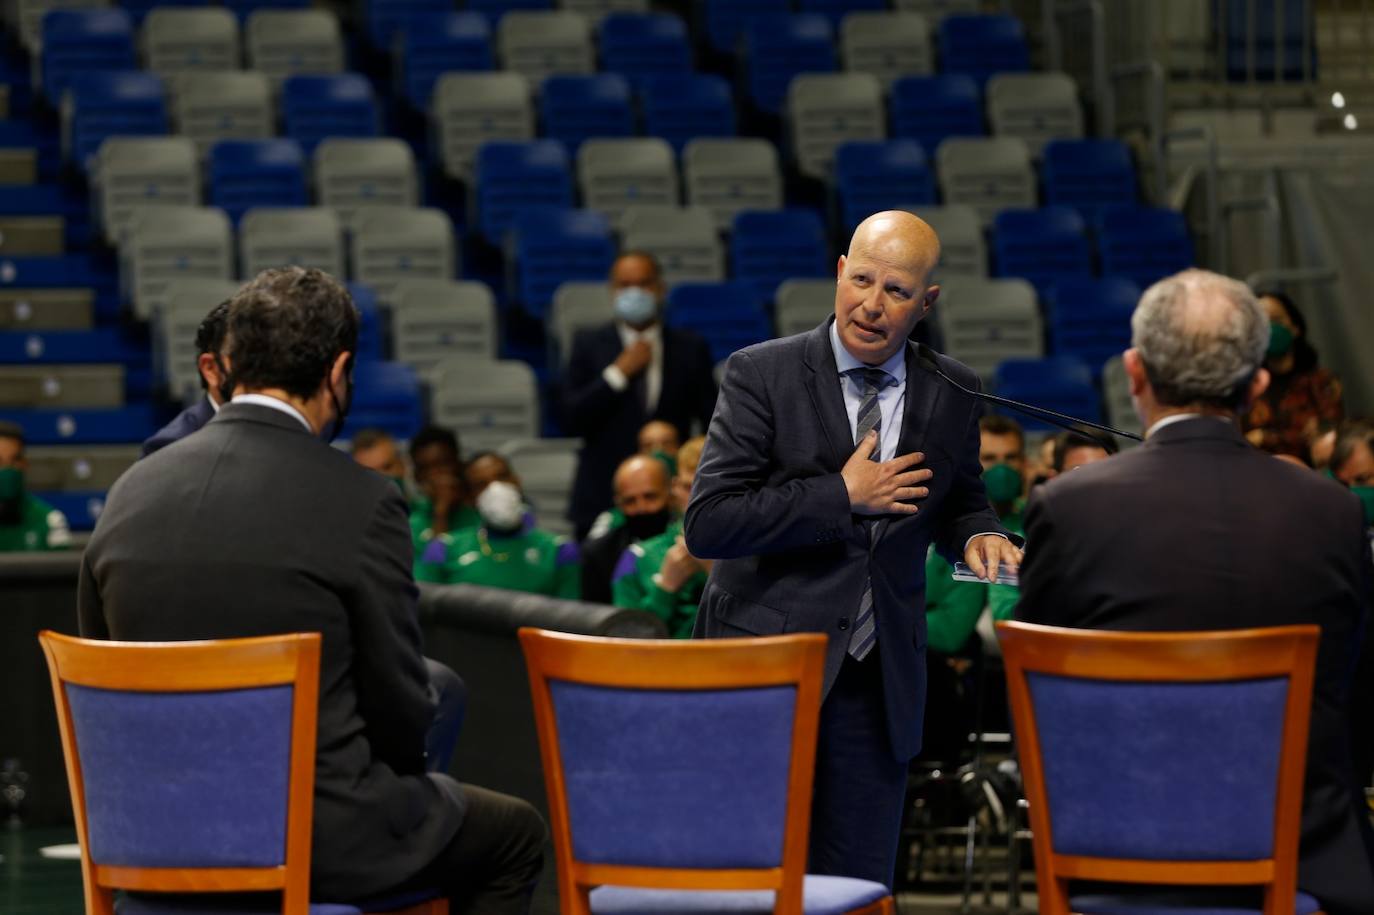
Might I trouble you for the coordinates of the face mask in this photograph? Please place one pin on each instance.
(341, 410)
(11, 495)
(226, 384)
(642, 527)
(635, 305)
(1003, 483)
(1366, 494)
(1280, 340)
(669, 461)
(501, 506)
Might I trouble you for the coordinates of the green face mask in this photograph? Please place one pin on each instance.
(11, 484)
(669, 461)
(1003, 483)
(1366, 494)
(1280, 340)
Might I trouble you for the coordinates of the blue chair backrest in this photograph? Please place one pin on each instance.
(1143, 243)
(640, 45)
(114, 426)
(245, 8)
(625, 751)
(769, 246)
(187, 779)
(249, 173)
(1041, 245)
(1192, 767)
(316, 107)
(836, 10)
(493, 10)
(982, 45)
(512, 176)
(726, 20)
(555, 246)
(680, 108)
(385, 17)
(126, 103)
(84, 41)
(434, 44)
(139, 9)
(1063, 383)
(1088, 174)
(729, 315)
(386, 395)
(576, 108)
(371, 325)
(930, 108)
(879, 175)
(777, 48)
(1090, 318)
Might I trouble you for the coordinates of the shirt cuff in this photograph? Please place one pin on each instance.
(615, 378)
(985, 534)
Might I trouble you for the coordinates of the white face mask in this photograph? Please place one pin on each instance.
(501, 506)
(635, 305)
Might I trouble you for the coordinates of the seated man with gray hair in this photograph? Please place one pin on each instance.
(1198, 530)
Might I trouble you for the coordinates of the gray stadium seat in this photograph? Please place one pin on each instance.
(223, 105)
(729, 175)
(616, 173)
(542, 43)
(282, 43)
(26, 17)
(683, 240)
(801, 304)
(393, 244)
(595, 9)
(40, 386)
(827, 109)
(887, 45)
(486, 403)
(987, 173)
(169, 243)
(352, 175)
(189, 300)
(1116, 392)
(276, 236)
(181, 39)
(435, 320)
(135, 172)
(47, 309)
(576, 305)
(546, 467)
(987, 321)
(963, 249)
(936, 10)
(77, 467)
(1036, 107)
(468, 109)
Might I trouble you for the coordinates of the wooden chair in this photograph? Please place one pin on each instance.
(679, 774)
(192, 770)
(1171, 759)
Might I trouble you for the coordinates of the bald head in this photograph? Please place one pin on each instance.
(882, 286)
(641, 485)
(899, 238)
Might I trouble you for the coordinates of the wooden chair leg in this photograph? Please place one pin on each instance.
(884, 906)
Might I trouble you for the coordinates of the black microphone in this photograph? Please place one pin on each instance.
(927, 356)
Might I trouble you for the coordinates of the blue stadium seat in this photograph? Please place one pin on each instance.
(1143, 244)
(982, 45)
(433, 44)
(1091, 318)
(1041, 245)
(139, 9)
(256, 173)
(638, 46)
(84, 41)
(836, 10)
(32, 200)
(680, 108)
(1088, 174)
(1270, 54)
(769, 246)
(386, 395)
(515, 176)
(930, 108)
(386, 17)
(777, 48)
(493, 10)
(1061, 383)
(555, 246)
(726, 20)
(576, 108)
(245, 8)
(73, 347)
(881, 175)
(728, 315)
(120, 425)
(315, 108)
(371, 326)
(128, 103)
(81, 508)
(65, 271)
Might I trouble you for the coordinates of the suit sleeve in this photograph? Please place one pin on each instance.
(1042, 561)
(393, 685)
(588, 401)
(965, 511)
(733, 511)
(704, 388)
(90, 610)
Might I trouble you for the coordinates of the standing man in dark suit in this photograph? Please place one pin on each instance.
(625, 373)
(834, 458)
(210, 365)
(287, 534)
(1197, 530)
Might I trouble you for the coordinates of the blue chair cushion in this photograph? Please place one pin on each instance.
(1191, 901)
(216, 904)
(822, 896)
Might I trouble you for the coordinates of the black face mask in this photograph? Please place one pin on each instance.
(642, 527)
(341, 410)
(226, 382)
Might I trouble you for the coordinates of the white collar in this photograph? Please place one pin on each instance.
(653, 333)
(281, 406)
(213, 406)
(846, 362)
(1180, 417)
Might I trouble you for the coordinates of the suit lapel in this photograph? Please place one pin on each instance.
(823, 384)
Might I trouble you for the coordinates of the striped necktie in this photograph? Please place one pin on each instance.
(865, 634)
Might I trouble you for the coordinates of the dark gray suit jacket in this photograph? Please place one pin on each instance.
(769, 503)
(1197, 530)
(253, 526)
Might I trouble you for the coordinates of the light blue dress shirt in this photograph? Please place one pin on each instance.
(891, 399)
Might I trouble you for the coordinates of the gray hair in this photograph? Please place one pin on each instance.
(1202, 337)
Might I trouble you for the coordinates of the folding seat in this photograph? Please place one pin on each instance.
(511, 177)
(680, 108)
(78, 468)
(100, 105)
(352, 175)
(386, 395)
(386, 18)
(935, 10)
(1143, 244)
(372, 344)
(982, 45)
(597, 11)
(246, 8)
(276, 236)
(801, 304)
(576, 304)
(25, 18)
(963, 249)
(1060, 383)
(727, 176)
(224, 105)
(1088, 174)
(53, 386)
(576, 108)
(682, 239)
(315, 108)
(827, 109)
(615, 174)
(767, 247)
(282, 43)
(469, 109)
(546, 467)
(880, 175)
(1091, 318)
(777, 48)
(180, 39)
(1042, 246)
(393, 244)
(67, 426)
(169, 243)
(55, 292)
(729, 315)
(726, 20)
(494, 10)
(134, 172)
(34, 219)
(839, 10)
(643, 45)
(83, 41)
(553, 246)
(887, 45)
(486, 403)
(989, 174)
(539, 44)
(985, 322)
(186, 302)
(929, 109)
(433, 320)
(1037, 107)
(439, 42)
(256, 173)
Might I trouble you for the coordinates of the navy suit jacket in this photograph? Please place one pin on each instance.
(770, 505)
(182, 425)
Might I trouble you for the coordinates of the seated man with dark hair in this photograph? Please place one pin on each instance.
(27, 523)
(1074, 449)
(376, 450)
(444, 504)
(210, 365)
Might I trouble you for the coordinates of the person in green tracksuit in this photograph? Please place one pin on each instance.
(444, 504)
(27, 523)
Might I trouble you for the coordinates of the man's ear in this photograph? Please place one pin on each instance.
(339, 371)
(1135, 371)
(932, 293)
(839, 268)
(209, 371)
(1258, 385)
